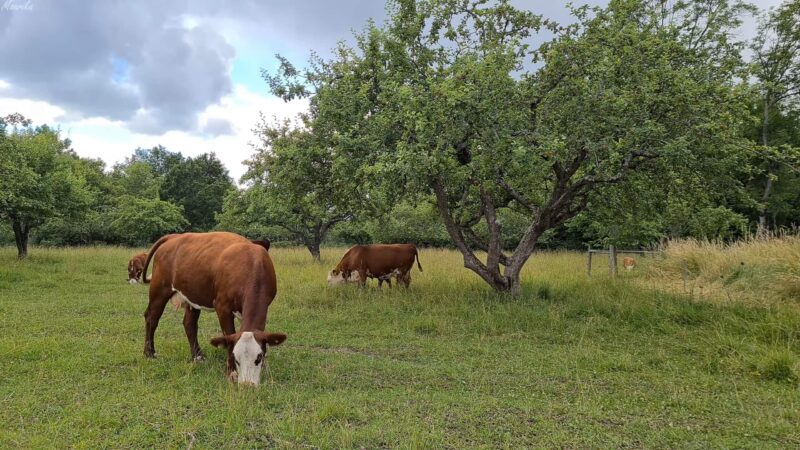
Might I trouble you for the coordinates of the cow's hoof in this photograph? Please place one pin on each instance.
(150, 355)
(233, 377)
(198, 358)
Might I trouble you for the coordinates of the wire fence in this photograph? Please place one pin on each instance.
(612, 253)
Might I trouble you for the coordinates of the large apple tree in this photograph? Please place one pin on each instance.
(449, 97)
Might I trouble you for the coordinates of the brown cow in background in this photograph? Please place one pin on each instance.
(221, 272)
(136, 267)
(629, 263)
(381, 261)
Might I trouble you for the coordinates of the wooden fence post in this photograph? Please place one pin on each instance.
(685, 273)
(589, 264)
(612, 261)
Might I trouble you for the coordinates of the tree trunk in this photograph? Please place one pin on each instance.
(509, 280)
(771, 167)
(762, 218)
(313, 247)
(512, 280)
(21, 232)
(490, 275)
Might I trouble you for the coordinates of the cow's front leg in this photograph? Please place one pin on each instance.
(226, 323)
(190, 318)
(362, 278)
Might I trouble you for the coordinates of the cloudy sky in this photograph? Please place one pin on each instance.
(116, 75)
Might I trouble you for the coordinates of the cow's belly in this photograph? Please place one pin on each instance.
(384, 270)
(179, 298)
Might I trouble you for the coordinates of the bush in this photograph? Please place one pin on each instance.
(415, 224)
(141, 221)
(93, 228)
(6, 234)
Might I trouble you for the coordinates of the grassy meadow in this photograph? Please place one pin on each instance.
(573, 363)
(759, 270)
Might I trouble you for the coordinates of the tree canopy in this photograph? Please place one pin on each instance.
(38, 178)
(298, 181)
(199, 185)
(448, 98)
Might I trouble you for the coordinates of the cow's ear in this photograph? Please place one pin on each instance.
(224, 341)
(335, 272)
(271, 339)
(263, 242)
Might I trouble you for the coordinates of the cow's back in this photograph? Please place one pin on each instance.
(190, 262)
(352, 258)
(383, 259)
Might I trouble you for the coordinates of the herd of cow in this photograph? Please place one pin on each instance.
(234, 276)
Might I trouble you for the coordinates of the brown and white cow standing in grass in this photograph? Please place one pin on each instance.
(221, 272)
(136, 267)
(381, 261)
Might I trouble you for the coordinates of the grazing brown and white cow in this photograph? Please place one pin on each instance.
(221, 272)
(136, 267)
(629, 263)
(381, 261)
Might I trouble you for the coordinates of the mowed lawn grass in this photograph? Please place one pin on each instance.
(573, 363)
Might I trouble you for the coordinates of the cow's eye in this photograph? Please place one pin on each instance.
(259, 358)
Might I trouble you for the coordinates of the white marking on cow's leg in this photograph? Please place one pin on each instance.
(249, 358)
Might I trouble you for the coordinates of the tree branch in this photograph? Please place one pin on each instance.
(516, 195)
(495, 233)
(478, 243)
(442, 202)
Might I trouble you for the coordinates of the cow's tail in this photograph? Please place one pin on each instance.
(416, 255)
(151, 253)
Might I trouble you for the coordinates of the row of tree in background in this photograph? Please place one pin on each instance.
(50, 196)
(636, 122)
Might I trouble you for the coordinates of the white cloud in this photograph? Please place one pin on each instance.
(38, 111)
(113, 142)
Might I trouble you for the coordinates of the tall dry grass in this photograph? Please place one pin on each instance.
(764, 270)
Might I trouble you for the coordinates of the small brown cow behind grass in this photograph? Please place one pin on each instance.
(136, 267)
(629, 263)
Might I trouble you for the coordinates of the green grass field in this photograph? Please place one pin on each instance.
(573, 363)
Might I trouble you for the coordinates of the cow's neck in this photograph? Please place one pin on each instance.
(254, 315)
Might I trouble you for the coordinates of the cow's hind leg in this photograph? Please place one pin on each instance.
(405, 279)
(159, 296)
(190, 318)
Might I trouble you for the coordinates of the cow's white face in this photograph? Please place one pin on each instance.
(336, 277)
(133, 281)
(249, 351)
(249, 359)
